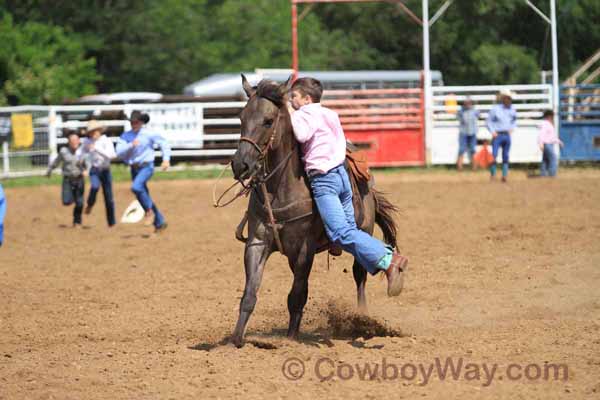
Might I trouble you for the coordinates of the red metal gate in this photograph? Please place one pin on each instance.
(386, 123)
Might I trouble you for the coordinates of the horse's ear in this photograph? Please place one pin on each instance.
(284, 89)
(247, 87)
(288, 84)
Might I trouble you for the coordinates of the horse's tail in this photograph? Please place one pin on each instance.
(384, 217)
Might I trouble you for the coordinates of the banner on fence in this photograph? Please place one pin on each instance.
(22, 128)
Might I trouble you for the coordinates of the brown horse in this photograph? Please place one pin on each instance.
(281, 214)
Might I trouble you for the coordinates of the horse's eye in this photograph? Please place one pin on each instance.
(268, 123)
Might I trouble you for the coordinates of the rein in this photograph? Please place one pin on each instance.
(255, 181)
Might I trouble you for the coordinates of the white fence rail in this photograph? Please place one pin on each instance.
(186, 126)
(529, 101)
(211, 130)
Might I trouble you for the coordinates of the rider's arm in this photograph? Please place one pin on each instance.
(302, 129)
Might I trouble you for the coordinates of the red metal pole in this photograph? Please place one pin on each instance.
(295, 40)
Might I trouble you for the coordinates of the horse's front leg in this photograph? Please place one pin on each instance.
(256, 254)
(301, 263)
(360, 277)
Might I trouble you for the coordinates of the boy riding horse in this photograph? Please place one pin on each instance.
(319, 131)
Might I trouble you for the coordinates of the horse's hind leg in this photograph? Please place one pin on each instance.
(360, 277)
(255, 257)
(301, 266)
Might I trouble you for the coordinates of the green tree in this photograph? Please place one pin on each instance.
(505, 63)
(41, 64)
(258, 34)
(162, 45)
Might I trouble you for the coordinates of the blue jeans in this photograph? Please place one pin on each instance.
(466, 143)
(549, 161)
(102, 177)
(501, 141)
(72, 192)
(332, 193)
(140, 176)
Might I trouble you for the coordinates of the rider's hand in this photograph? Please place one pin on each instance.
(290, 108)
(165, 165)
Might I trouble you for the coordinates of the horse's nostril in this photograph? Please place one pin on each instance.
(239, 169)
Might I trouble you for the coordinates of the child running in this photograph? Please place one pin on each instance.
(547, 140)
(136, 148)
(100, 151)
(319, 131)
(74, 169)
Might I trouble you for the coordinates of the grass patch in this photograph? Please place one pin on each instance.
(121, 173)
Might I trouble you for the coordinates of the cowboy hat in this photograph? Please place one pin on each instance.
(133, 214)
(507, 93)
(93, 125)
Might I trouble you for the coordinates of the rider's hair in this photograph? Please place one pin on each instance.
(309, 87)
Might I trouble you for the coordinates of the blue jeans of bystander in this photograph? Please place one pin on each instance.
(140, 176)
(549, 161)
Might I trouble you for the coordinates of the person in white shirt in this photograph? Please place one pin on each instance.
(99, 150)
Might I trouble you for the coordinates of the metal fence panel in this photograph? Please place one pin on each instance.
(20, 159)
(530, 101)
(580, 122)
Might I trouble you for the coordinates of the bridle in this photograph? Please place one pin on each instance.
(262, 162)
(261, 174)
(263, 152)
(258, 180)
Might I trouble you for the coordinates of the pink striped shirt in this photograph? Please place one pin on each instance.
(547, 134)
(320, 132)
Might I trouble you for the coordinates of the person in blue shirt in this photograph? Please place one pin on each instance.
(501, 122)
(2, 214)
(136, 149)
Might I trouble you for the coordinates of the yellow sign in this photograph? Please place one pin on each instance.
(22, 128)
(451, 104)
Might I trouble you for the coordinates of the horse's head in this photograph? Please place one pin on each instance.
(260, 123)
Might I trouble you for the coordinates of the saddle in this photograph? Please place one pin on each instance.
(360, 178)
(357, 164)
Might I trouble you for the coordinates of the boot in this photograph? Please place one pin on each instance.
(395, 274)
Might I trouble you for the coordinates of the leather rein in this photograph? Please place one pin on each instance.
(257, 180)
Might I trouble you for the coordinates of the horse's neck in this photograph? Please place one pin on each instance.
(287, 184)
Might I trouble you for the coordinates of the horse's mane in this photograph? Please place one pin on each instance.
(271, 90)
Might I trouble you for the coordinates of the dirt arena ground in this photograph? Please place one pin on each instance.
(500, 274)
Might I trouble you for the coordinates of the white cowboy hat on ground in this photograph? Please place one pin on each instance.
(507, 93)
(133, 214)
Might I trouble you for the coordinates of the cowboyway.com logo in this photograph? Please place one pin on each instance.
(326, 369)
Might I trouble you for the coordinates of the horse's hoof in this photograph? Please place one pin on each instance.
(238, 342)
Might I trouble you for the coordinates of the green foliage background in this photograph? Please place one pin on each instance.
(53, 50)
